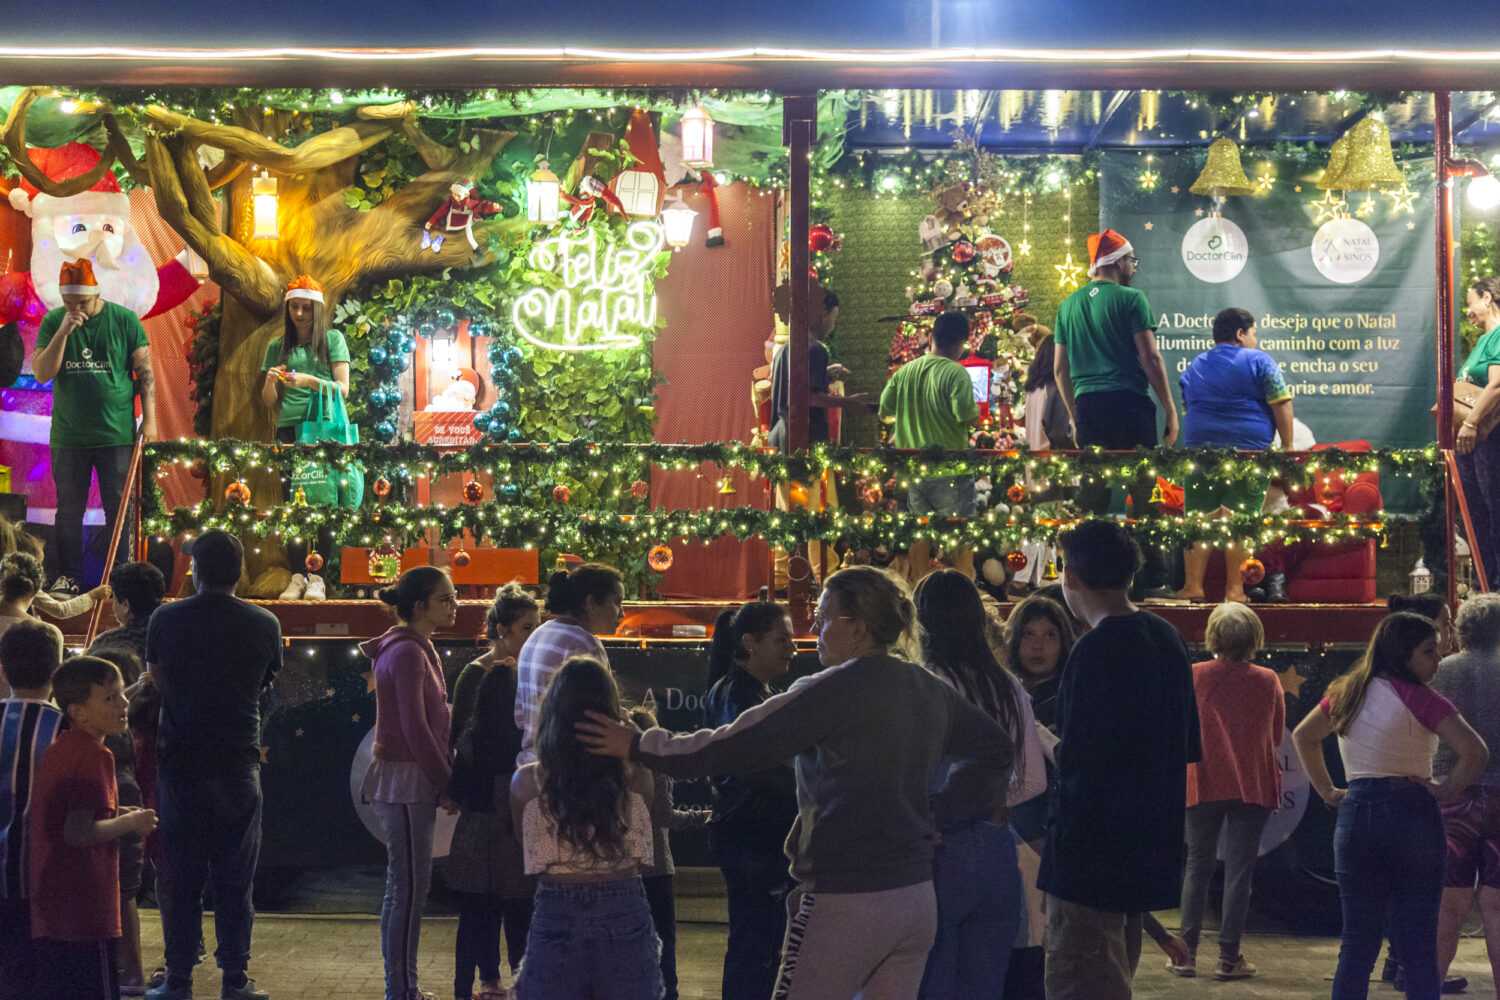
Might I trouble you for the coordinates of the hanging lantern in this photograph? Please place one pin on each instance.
(1371, 164)
(677, 222)
(1421, 578)
(697, 138)
(263, 200)
(660, 558)
(542, 189)
(1338, 159)
(1223, 175)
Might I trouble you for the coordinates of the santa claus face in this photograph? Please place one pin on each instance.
(100, 237)
(93, 226)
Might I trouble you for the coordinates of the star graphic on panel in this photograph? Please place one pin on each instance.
(1365, 207)
(1198, 212)
(369, 676)
(263, 752)
(1402, 199)
(328, 693)
(1297, 188)
(1265, 182)
(1068, 272)
(1291, 681)
(298, 734)
(1411, 225)
(355, 716)
(1150, 226)
(1327, 207)
(1024, 248)
(1175, 189)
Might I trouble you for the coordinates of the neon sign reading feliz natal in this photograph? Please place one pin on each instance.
(604, 289)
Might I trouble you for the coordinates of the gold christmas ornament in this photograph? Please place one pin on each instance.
(1338, 159)
(1371, 164)
(1222, 174)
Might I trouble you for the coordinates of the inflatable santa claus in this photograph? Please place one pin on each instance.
(95, 226)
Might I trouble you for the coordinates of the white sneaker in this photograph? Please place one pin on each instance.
(317, 590)
(295, 589)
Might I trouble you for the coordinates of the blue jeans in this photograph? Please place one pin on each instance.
(408, 875)
(756, 883)
(72, 468)
(979, 913)
(210, 835)
(1479, 473)
(591, 940)
(947, 496)
(1389, 851)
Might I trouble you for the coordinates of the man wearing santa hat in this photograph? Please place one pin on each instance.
(96, 354)
(1106, 363)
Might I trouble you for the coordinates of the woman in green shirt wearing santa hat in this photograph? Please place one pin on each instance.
(1479, 461)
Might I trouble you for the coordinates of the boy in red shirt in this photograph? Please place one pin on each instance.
(75, 826)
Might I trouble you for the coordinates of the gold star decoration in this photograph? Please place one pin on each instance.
(369, 676)
(1365, 208)
(1402, 199)
(1297, 188)
(1327, 207)
(355, 716)
(1198, 212)
(1068, 272)
(1265, 182)
(263, 752)
(298, 733)
(1024, 248)
(1150, 226)
(1411, 225)
(1175, 189)
(1291, 681)
(328, 693)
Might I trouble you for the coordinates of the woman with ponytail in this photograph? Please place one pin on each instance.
(408, 778)
(1389, 846)
(753, 811)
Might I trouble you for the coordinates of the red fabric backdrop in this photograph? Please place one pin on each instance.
(717, 304)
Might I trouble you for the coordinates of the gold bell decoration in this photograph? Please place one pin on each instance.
(1338, 159)
(1371, 165)
(726, 486)
(1223, 175)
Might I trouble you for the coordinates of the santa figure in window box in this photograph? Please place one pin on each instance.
(457, 214)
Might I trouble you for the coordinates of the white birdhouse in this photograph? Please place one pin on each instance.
(931, 233)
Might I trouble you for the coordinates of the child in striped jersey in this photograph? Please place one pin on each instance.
(29, 653)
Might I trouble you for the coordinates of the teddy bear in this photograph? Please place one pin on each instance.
(952, 210)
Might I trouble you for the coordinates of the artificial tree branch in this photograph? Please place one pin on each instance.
(320, 151)
(14, 137)
(120, 147)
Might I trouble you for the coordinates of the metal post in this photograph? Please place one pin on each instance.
(799, 124)
(1442, 144)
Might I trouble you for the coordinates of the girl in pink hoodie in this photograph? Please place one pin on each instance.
(407, 779)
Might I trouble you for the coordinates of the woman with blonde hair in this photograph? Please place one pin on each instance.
(868, 733)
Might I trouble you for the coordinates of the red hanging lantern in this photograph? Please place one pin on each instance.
(313, 562)
(460, 558)
(473, 491)
(660, 558)
(237, 493)
(819, 238)
(1252, 571)
(1015, 561)
(382, 487)
(561, 493)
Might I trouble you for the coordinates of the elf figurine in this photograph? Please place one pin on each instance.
(591, 191)
(457, 214)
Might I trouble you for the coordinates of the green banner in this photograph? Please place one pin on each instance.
(1341, 284)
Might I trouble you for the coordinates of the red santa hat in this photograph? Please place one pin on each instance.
(304, 286)
(72, 160)
(1105, 248)
(77, 278)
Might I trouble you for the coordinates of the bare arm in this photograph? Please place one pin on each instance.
(1473, 755)
(341, 377)
(270, 388)
(1063, 375)
(1308, 738)
(523, 788)
(829, 401)
(1281, 413)
(153, 670)
(46, 363)
(140, 360)
(1468, 434)
(81, 829)
(1156, 374)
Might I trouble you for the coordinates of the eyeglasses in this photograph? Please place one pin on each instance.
(819, 620)
(1134, 260)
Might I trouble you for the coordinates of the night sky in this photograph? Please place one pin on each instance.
(836, 24)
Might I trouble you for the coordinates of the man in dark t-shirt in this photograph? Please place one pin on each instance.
(210, 656)
(1128, 724)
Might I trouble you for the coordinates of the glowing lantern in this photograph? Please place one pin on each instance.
(263, 197)
(697, 138)
(677, 221)
(541, 195)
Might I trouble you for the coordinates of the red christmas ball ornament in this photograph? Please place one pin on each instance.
(382, 487)
(1252, 571)
(1016, 494)
(1015, 561)
(237, 493)
(460, 558)
(561, 493)
(660, 558)
(313, 562)
(819, 238)
(639, 489)
(963, 251)
(873, 496)
(473, 491)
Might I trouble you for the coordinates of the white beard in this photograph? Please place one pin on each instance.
(131, 281)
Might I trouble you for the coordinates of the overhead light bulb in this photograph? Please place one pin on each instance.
(1484, 193)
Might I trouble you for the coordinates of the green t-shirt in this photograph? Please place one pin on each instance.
(932, 401)
(1486, 352)
(1097, 324)
(93, 394)
(296, 402)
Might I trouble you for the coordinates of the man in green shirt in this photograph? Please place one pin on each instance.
(931, 401)
(1105, 361)
(96, 355)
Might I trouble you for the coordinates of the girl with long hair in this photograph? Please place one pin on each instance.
(585, 825)
(484, 861)
(975, 870)
(753, 811)
(868, 733)
(1389, 846)
(408, 779)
